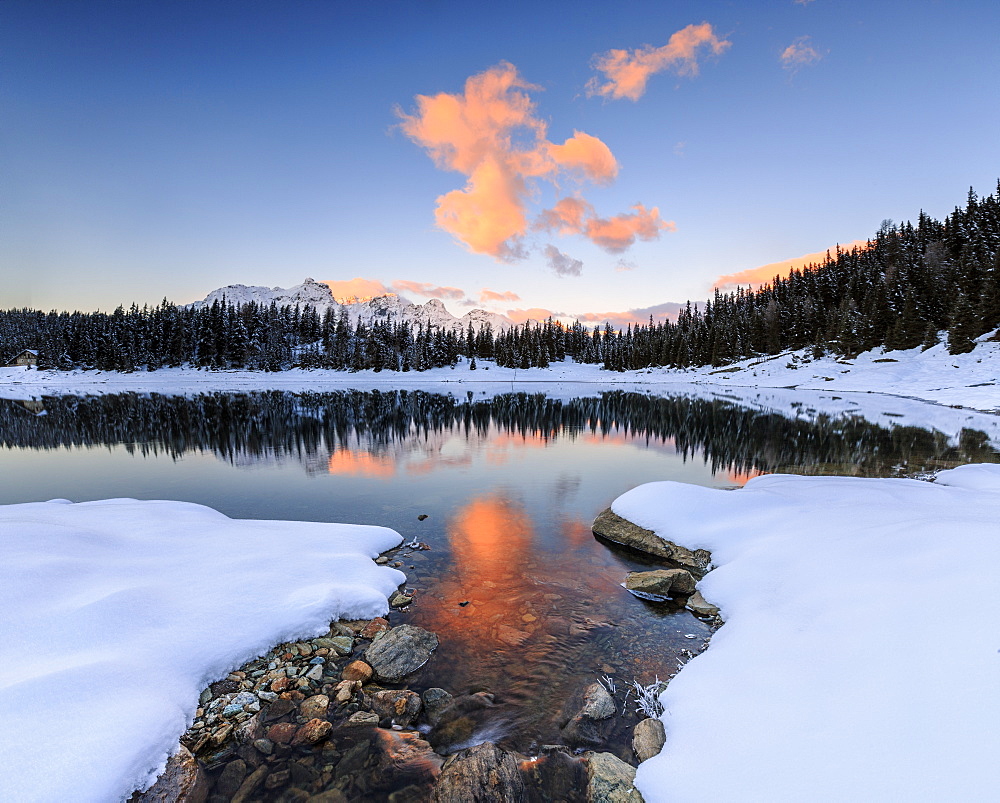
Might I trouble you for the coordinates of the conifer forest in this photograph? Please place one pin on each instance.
(909, 286)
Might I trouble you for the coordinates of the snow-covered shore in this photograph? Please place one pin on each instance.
(967, 380)
(117, 613)
(859, 658)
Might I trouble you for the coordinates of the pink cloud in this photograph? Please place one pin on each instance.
(491, 134)
(616, 234)
(532, 314)
(799, 54)
(627, 71)
(356, 288)
(491, 295)
(756, 277)
(428, 290)
(660, 312)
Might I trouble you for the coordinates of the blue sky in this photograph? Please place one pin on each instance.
(152, 149)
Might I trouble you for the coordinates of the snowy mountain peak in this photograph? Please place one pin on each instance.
(389, 306)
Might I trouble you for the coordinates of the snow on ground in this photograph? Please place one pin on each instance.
(860, 658)
(967, 380)
(116, 614)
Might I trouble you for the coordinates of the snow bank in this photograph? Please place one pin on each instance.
(859, 659)
(967, 380)
(117, 613)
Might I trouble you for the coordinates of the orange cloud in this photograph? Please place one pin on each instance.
(428, 290)
(659, 312)
(356, 288)
(491, 295)
(628, 71)
(799, 54)
(492, 135)
(755, 277)
(616, 234)
(532, 314)
(568, 216)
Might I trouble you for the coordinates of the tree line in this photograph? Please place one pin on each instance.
(907, 287)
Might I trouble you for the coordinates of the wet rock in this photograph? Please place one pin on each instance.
(402, 706)
(660, 584)
(315, 730)
(699, 606)
(404, 758)
(354, 759)
(183, 779)
(231, 778)
(399, 599)
(422, 517)
(248, 789)
(276, 779)
(328, 796)
(400, 652)
(597, 703)
(613, 527)
(282, 733)
(479, 774)
(315, 706)
(263, 745)
(381, 560)
(357, 670)
(278, 709)
(374, 627)
(460, 720)
(361, 718)
(609, 779)
(345, 690)
(648, 738)
(435, 701)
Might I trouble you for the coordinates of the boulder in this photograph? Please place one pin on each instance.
(183, 779)
(401, 706)
(400, 652)
(481, 774)
(609, 780)
(314, 707)
(648, 738)
(612, 527)
(661, 584)
(585, 728)
(435, 702)
(699, 606)
(597, 703)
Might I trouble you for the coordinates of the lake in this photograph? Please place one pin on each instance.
(526, 602)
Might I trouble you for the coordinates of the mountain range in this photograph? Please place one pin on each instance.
(369, 310)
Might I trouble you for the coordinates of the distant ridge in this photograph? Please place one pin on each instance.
(368, 310)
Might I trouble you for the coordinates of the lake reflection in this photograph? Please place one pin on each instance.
(525, 601)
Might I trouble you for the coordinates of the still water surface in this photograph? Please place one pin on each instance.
(525, 601)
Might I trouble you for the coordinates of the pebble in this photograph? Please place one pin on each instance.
(265, 746)
(317, 660)
(316, 673)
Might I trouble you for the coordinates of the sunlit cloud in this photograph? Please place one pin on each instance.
(627, 71)
(756, 277)
(486, 295)
(428, 290)
(562, 264)
(618, 233)
(533, 314)
(799, 53)
(358, 288)
(491, 134)
(660, 312)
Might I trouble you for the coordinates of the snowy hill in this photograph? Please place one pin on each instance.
(369, 310)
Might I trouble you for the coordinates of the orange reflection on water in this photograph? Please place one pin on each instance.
(360, 464)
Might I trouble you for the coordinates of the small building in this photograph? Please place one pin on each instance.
(28, 357)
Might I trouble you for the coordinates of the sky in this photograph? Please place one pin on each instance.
(599, 160)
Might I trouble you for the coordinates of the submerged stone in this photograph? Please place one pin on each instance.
(611, 526)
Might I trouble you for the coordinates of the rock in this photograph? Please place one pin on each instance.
(381, 560)
(316, 673)
(699, 606)
(400, 652)
(435, 701)
(399, 600)
(250, 786)
(598, 703)
(613, 527)
(183, 779)
(479, 774)
(660, 584)
(354, 759)
(231, 778)
(342, 645)
(330, 796)
(276, 779)
(282, 733)
(315, 730)
(374, 627)
(265, 746)
(361, 718)
(609, 779)
(648, 738)
(344, 691)
(422, 517)
(278, 709)
(357, 670)
(462, 718)
(315, 706)
(556, 775)
(401, 706)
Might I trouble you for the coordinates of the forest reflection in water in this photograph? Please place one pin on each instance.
(525, 601)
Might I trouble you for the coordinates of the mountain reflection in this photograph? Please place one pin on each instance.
(381, 433)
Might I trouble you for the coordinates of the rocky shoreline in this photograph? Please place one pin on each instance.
(330, 719)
